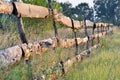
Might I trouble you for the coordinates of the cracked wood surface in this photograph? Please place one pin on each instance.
(14, 54)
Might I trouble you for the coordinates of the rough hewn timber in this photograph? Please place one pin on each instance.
(25, 10)
(33, 11)
(78, 57)
(14, 54)
(67, 21)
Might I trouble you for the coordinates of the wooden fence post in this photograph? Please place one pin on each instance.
(75, 36)
(103, 28)
(93, 31)
(86, 33)
(21, 30)
(53, 18)
(100, 28)
(62, 67)
(19, 24)
(98, 31)
(108, 27)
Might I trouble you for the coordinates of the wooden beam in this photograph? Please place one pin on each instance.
(25, 10)
(34, 11)
(78, 57)
(14, 54)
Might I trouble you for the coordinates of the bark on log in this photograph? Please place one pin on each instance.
(25, 10)
(14, 54)
(10, 56)
(67, 21)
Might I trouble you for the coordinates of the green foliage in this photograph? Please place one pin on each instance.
(67, 9)
(78, 12)
(83, 9)
(107, 10)
(57, 6)
(37, 2)
(44, 3)
(117, 12)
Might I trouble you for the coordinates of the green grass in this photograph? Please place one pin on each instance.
(103, 63)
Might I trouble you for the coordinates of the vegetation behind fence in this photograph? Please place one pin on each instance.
(93, 32)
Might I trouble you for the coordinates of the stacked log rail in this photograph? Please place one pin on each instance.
(14, 54)
(33, 11)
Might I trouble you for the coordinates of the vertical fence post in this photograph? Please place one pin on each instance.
(111, 30)
(98, 33)
(53, 18)
(19, 24)
(100, 27)
(103, 28)
(108, 27)
(75, 36)
(93, 31)
(62, 67)
(22, 35)
(21, 30)
(55, 32)
(86, 33)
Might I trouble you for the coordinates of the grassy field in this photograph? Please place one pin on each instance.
(102, 64)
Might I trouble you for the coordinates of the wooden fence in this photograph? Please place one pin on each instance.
(14, 54)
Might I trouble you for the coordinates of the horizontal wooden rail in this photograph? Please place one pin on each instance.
(14, 54)
(24, 10)
(33, 11)
(78, 57)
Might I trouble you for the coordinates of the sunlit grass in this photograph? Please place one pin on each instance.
(103, 63)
